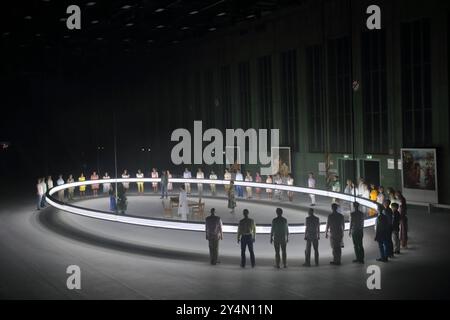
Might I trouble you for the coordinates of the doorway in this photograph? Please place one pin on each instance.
(370, 171)
(347, 170)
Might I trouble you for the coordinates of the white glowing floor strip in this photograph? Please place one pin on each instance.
(192, 226)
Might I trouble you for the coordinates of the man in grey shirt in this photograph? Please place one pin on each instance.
(312, 236)
(213, 228)
(335, 226)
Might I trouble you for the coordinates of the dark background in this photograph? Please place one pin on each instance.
(284, 64)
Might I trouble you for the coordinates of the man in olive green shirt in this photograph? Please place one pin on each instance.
(246, 236)
(279, 236)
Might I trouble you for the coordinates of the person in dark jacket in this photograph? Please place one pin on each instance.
(279, 236)
(312, 237)
(396, 227)
(382, 233)
(335, 226)
(356, 232)
(403, 219)
(246, 237)
(388, 213)
(213, 228)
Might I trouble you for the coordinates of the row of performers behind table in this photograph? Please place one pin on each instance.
(369, 191)
(228, 175)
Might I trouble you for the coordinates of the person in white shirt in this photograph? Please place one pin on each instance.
(269, 191)
(39, 193)
(125, 175)
(155, 175)
(278, 192)
(227, 177)
(360, 189)
(106, 186)
(140, 184)
(49, 183)
(71, 190)
(213, 176)
(239, 189)
(349, 189)
(183, 207)
(44, 188)
(170, 184)
(200, 175)
(60, 182)
(248, 178)
(290, 182)
(187, 175)
(312, 185)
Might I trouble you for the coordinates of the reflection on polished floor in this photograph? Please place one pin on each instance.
(121, 261)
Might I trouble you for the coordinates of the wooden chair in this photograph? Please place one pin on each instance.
(198, 209)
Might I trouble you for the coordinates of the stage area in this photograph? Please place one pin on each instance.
(262, 211)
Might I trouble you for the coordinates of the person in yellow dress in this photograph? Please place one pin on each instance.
(82, 178)
(373, 197)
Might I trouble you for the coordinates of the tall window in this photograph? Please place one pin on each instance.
(265, 91)
(244, 94)
(197, 96)
(289, 98)
(315, 106)
(209, 98)
(186, 105)
(376, 130)
(416, 83)
(339, 95)
(225, 96)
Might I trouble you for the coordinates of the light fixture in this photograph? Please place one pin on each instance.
(159, 10)
(160, 26)
(184, 28)
(27, 17)
(130, 24)
(221, 14)
(94, 21)
(212, 29)
(126, 7)
(193, 12)
(90, 4)
(250, 16)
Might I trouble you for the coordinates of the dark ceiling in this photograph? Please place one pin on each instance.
(124, 24)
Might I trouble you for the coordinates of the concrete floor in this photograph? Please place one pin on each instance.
(120, 261)
(263, 211)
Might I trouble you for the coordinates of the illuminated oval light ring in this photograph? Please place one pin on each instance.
(197, 226)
